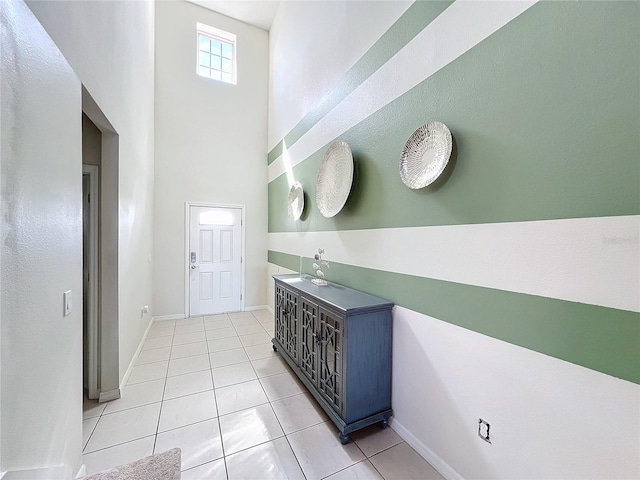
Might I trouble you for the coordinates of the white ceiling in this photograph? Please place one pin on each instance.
(254, 12)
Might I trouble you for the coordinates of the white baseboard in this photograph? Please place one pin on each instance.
(271, 310)
(127, 374)
(257, 307)
(434, 460)
(180, 316)
(45, 473)
(108, 395)
(160, 318)
(82, 472)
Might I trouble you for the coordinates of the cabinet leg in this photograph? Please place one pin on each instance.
(344, 439)
(384, 423)
(275, 349)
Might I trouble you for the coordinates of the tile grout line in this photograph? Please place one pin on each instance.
(284, 435)
(94, 427)
(215, 399)
(136, 406)
(366, 458)
(118, 444)
(196, 393)
(130, 408)
(282, 428)
(373, 465)
(182, 396)
(84, 447)
(388, 448)
(342, 470)
(164, 389)
(269, 401)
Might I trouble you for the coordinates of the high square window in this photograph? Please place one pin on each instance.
(216, 54)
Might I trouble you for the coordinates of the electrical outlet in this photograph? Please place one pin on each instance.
(483, 430)
(145, 309)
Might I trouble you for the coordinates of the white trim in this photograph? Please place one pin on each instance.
(455, 31)
(43, 473)
(425, 452)
(93, 294)
(82, 472)
(107, 396)
(133, 361)
(187, 206)
(548, 258)
(224, 37)
(256, 307)
(161, 318)
(187, 249)
(216, 33)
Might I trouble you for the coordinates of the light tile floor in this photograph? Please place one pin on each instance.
(214, 387)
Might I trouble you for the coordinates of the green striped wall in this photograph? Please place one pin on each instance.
(539, 132)
(603, 339)
(412, 22)
(545, 114)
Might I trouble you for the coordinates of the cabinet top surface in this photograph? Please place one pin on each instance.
(341, 297)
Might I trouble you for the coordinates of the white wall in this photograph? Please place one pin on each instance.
(310, 34)
(110, 46)
(549, 418)
(211, 141)
(41, 250)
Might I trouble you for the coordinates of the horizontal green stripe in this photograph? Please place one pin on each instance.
(599, 338)
(412, 22)
(545, 117)
(284, 260)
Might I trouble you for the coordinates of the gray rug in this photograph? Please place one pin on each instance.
(163, 466)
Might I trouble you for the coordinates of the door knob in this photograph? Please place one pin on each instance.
(193, 267)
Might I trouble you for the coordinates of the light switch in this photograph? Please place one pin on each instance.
(66, 298)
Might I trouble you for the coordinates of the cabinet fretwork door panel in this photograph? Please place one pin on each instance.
(291, 322)
(309, 327)
(330, 359)
(281, 307)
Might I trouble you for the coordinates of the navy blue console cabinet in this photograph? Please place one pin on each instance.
(338, 341)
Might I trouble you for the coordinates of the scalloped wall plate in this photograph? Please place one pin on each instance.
(425, 155)
(334, 179)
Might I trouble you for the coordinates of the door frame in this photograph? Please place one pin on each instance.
(92, 295)
(187, 251)
(109, 239)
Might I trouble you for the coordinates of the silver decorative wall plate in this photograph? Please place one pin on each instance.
(334, 179)
(425, 155)
(296, 201)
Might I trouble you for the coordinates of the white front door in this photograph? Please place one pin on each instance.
(215, 259)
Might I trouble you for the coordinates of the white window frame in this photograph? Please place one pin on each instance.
(221, 36)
